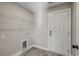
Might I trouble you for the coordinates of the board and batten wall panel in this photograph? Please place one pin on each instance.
(16, 24)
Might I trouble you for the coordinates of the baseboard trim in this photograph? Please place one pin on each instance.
(40, 47)
(17, 54)
(21, 51)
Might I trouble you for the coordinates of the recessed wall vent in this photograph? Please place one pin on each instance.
(24, 44)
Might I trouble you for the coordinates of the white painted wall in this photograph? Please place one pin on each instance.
(41, 28)
(40, 34)
(10, 40)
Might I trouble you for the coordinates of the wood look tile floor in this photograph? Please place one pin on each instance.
(39, 52)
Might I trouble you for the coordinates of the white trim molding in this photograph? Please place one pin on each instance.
(22, 51)
(40, 47)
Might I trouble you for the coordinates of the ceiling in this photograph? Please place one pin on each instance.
(55, 3)
(30, 5)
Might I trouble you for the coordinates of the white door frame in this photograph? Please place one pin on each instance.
(49, 28)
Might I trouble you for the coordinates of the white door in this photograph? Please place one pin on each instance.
(60, 31)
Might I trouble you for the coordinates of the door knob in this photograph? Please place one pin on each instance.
(50, 31)
(50, 34)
